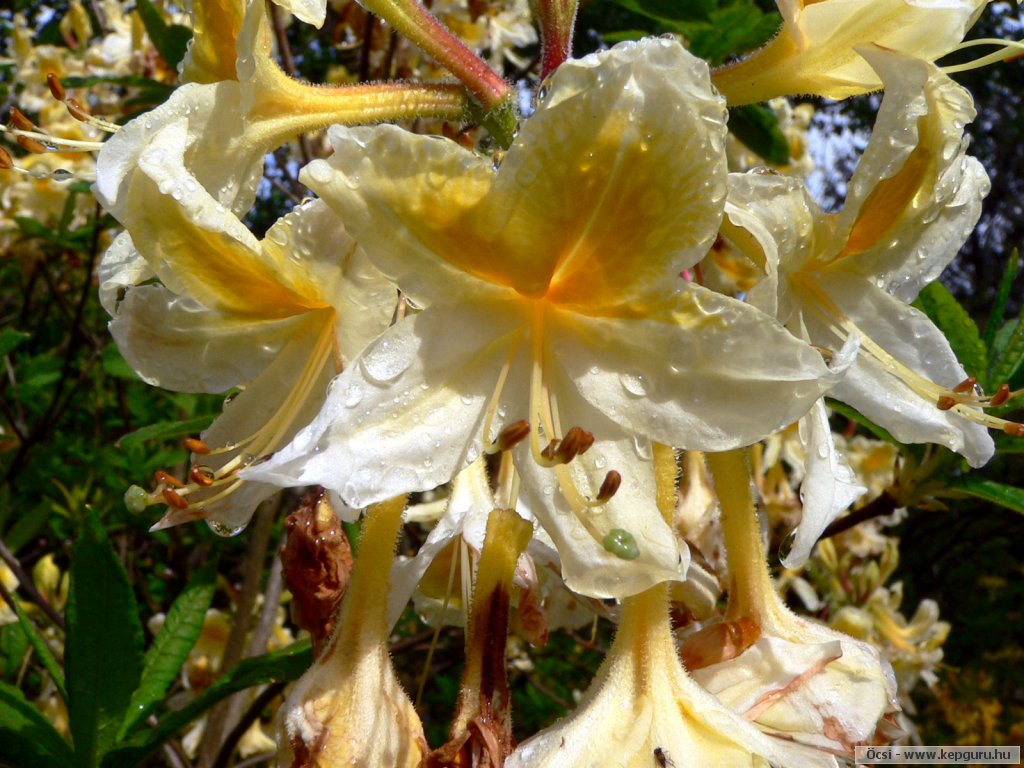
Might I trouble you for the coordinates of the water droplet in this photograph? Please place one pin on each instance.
(786, 545)
(353, 395)
(388, 357)
(642, 447)
(621, 543)
(467, 399)
(224, 530)
(634, 383)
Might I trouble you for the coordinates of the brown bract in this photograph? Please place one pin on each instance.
(317, 562)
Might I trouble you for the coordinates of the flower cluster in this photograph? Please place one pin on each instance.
(570, 332)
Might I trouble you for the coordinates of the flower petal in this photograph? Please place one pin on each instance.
(121, 267)
(408, 415)
(178, 344)
(710, 373)
(911, 338)
(915, 197)
(829, 485)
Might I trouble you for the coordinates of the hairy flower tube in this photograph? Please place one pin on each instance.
(816, 49)
(847, 278)
(349, 708)
(277, 317)
(554, 322)
(796, 680)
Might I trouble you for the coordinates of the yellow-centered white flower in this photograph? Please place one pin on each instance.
(816, 49)
(847, 278)
(551, 298)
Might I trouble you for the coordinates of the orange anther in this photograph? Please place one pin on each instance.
(196, 446)
(6, 163)
(610, 486)
(77, 111)
(1001, 396)
(551, 450)
(512, 435)
(31, 145)
(174, 499)
(946, 402)
(18, 120)
(1014, 430)
(166, 478)
(201, 476)
(56, 87)
(967, 385)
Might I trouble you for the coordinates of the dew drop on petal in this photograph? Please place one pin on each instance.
(388, 358)
(353, 395)
(634, 383)
(621, 543)
(224, 530)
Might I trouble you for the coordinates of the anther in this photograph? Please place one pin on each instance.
(201, 475)
(174, 499)
(56, 87)
(77, 111)
(18, 120)
(166, 478)
(575, 442)
(31, 145)
(550, 451)
(1014, 430)
(610, 486)
(945, 402)
(1001, 396)
(967, 385)
(6, 163)
(510, 436)
(195, 445)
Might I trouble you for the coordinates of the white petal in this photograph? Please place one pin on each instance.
(911, 338)
(714, 375)
(588, 567)
(178, 344)
(121, 267)
(310, 11)
(407, 415)
(829, 485)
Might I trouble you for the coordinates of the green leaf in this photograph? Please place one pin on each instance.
(732, 29)
(26, 737)
(172, 645)
(1004, 495)
(938, 303)
(167, 430)
(758, 128)
(280, 666)
(103, 659)
(11, 338)
(42, 651)
(1009, 356)
(115, 365)
(170, 40)
(995, 317)
(856, 416)
(670, 10)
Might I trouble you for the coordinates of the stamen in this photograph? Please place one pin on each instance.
(56, 87)
(961, 399)
(19, 120)
(165, 478)
(609, 487)
(6, 163)
(174, 499)
(967, 385)
(29, 144)
(203, 476)
(1008, 49)
(75, 108)
(194, 445)
(510, 436)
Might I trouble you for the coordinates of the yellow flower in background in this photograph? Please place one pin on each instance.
(816, 51)
(552, 299)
